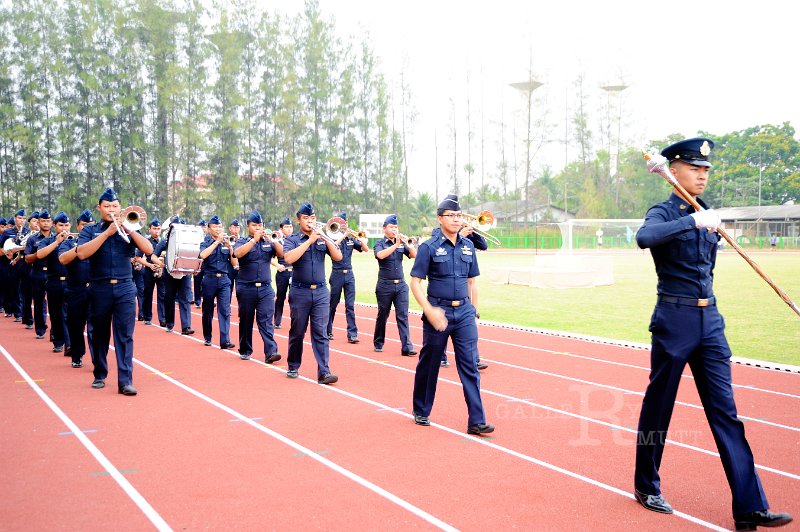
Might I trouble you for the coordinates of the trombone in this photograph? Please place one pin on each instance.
(331, 230)
(133, 218)
(481, 224)
(357, 235)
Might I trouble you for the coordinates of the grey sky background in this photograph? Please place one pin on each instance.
(688, 65)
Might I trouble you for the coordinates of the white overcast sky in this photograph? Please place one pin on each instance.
(690, 65)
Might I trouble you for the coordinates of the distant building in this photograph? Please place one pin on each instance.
(514, 212)
(761, 222)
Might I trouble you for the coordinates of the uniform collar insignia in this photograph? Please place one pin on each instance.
(683, 206)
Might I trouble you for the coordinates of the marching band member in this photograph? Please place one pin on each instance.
(56, 281)
(24, 268)
(179, 289)
(76, 294)
(450, 265)
(111, 289)
(3, 264)
(198, 277)
(38, 275)
(309, 299)
(480, 244)
(234, 230)
(254, 292)
(152, 274)
(391, 288)
(138, 281)
(687, 328)
(342, 278)
(283, 275)
(12, 303)
(216, 252)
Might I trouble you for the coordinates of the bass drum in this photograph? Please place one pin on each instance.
(183, 250)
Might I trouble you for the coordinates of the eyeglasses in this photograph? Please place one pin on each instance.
(452, 215)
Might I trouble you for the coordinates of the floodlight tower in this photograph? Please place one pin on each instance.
(527, 88)
(614, 162)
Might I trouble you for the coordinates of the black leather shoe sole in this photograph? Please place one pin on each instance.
(328, 379)
(654, 503)
(422, 420)
(99, 383)
(274, 357)
(227, 346)
(127, 390)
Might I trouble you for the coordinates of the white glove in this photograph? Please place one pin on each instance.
(708, 219)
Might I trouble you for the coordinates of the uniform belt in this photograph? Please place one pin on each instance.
(219, 274)
(709, 302)
(310, 286)
(448, 302)
(44, 268)
(252, 283)
(62, 278)
(112, 281)
(393, 281)
(289, 268)
(342, 271)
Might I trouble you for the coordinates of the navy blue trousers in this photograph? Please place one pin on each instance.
(76, 302)
(36, 283)
(309, 306)
(179, 290)
(694, 335)
(113, 306)
(138, 280)
(198, 288)
(388, 294)
(58, 312)
(12, 302)
(343, 282)
(219, 289)
(282, 280)
(256, 303)
(26, 295)
(147, 301)
(463, 331)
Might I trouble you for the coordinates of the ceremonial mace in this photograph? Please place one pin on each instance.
(657, 164)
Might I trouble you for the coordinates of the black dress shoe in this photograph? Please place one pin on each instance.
(29, 326)
(328, 378)
(169, 329)
(207, 342)
(128, 389)
(274, 357)
(244, 356)
(162, 323)
(17, 320)
(422, 420)
(58, 348)
(187, 330)
(148, 322)
(482, 365)
(277, 326)
(330, 336)
(656, 503)
(77, 364)
(292, 374)
(352, 340)
(379, 350)
(227, 345)
(480, 428)
(408, 353)
(140, 318)
(445, 364)
(761, 518)
(99, 383)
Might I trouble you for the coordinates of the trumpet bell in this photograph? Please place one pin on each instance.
(335, 226)
(485, 221)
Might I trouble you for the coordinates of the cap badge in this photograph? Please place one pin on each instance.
(705, 149)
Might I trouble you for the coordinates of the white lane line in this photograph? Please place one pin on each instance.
(306, 451)
(760, 420)
(482, 441)
(120, 479)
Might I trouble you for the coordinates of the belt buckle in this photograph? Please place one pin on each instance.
(44, 268)
(702, 302)
(396, 281)
(455, 303)
(113, 281)
(62, 278)
(345, 271)
(219, 275)
(312, 286)
(257, 284)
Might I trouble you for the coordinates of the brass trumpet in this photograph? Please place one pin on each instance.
(357, 235)
(72, 236)
(481, 224)
(133, 218)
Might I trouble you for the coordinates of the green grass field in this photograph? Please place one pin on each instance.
(759, 324)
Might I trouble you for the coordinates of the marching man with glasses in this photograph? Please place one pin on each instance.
(450, 265)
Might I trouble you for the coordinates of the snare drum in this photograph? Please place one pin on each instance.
(183, 250)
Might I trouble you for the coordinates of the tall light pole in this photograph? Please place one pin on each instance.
(527, 87)
(612, 171)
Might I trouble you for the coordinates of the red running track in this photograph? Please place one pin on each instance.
(215, 442)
